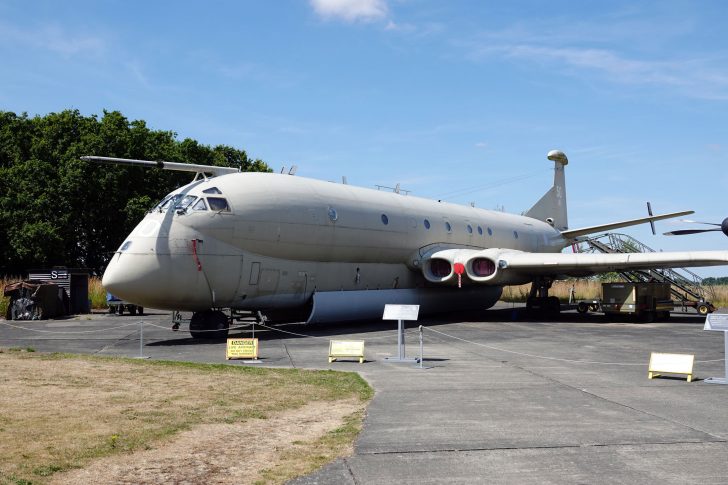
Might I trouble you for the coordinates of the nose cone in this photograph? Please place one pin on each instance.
(155, 281)
(130, 280)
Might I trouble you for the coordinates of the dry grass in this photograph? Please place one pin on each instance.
(591, 289)
(63, 412)
(583, 289)
(96, 293)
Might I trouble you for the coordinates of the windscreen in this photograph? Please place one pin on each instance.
(176, 201)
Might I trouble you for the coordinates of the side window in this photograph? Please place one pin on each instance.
(218, 204)
(200, 205)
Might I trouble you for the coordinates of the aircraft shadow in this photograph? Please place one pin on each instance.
(289, 331)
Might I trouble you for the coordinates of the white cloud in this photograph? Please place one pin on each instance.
(691, 76)
(55, 39)
(351, 10)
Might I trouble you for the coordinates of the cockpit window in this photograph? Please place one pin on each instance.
(218, 204)
(176, 202)
(185, 202)
(200, 205)
(212, 190)
(170, 201)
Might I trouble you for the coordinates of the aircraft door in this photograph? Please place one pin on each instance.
(299, 284)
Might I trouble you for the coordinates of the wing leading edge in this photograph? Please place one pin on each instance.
(495, 266)
(541, 264)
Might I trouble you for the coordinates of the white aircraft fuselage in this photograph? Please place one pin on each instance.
(308, 250)
(286, 237)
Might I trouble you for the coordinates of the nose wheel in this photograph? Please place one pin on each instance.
(210, 324)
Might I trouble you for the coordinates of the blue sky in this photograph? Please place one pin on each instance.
(459, 100)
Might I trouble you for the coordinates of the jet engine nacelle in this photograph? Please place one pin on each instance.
(480, 266)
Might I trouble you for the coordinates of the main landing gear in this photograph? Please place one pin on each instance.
(539, 302)
(210, 324)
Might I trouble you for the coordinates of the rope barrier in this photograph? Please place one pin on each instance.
(411, 330)
(323, 338)
(68, 333)
(545, 357)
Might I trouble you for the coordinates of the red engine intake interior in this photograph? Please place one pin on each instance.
(483, 267)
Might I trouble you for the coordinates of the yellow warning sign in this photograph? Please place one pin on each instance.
(346, 348)
(241, 348)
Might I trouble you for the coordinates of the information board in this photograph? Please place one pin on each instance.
(661, 363)
(401, 312)
(346, 348)
(717, 322)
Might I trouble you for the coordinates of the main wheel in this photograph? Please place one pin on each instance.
(210, 324)
(554, 306)
(582, 307)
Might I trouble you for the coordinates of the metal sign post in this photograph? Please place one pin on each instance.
(421, 347)
(400, 313)
(718, 322)
(141, 341)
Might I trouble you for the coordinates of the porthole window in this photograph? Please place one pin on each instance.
(125, 246)
(385, 219)
(427, 224)
(448, 227)
(490, 231)
(480, 230)
(470, 229)
(333, 216)
(515, 234)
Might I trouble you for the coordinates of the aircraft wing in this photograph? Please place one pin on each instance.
(179, 167)
(496, 266)
(582, 231)
(580, 264)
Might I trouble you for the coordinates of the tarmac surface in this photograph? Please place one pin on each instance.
(499, 399)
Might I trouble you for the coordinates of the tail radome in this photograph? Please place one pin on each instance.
(552, 206)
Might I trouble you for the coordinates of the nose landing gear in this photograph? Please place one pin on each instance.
(210, 324)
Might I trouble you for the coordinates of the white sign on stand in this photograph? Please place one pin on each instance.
(400, 313)
(718, 322)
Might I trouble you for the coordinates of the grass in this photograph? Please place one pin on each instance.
(61, 412)
(590, 289)
(96, 293)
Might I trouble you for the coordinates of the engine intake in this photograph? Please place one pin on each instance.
(482, 267)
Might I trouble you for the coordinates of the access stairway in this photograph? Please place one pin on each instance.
(686, 286)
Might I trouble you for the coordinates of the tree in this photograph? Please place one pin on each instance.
(56, 209)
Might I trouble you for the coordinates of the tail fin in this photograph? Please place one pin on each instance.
(552, 206)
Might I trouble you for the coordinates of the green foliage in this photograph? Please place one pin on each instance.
(56, 209)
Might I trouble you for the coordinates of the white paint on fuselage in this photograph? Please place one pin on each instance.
(287, 236)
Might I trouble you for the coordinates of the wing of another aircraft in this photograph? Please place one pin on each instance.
(582, 231)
